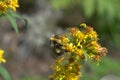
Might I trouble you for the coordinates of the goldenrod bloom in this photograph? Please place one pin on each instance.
(90, 32)
(73, 31)
(80, 35)
(79, 52)
(95, 45)
(1, 56)
(83, 25)
(69, 47)
(6, 5)
(12, 4)
(64, 39)
(76, 46)
(3, 7)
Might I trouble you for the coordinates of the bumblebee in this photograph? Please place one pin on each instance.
(56, 45)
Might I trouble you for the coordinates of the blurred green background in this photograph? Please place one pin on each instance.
(29, 55)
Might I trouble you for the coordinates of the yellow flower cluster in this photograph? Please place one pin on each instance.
(66, 69)
(75, 48)
(6, 5)
(1, 56)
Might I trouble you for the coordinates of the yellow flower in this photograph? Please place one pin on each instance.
(3, 7)
(90, 32)
(95, 45)
(6, 5)
(83, 25)
(73, 31)
(13, 4)
(69, 47)
(79, 52)
(91, 55)
(59, 60)
(80, 35)
(64, 39)
(72, 76)
(1, 56)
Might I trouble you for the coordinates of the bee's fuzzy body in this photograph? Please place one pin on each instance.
(56, 45)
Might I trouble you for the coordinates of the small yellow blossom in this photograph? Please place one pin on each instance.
(1, 56)
(91, 55)
(79, 35)
(3, 7)
(91, 33)
(64, 39)
(13, 4)
(76, 33)
(83, 25)
(79, 52)
(59, 60)
(95, 45)
(73, 31)
(6, 5)
(69, 47)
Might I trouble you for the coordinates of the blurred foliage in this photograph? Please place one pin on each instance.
(107, 66)
(12, 18)
(102, 13)
(4, 73)
(33, 78)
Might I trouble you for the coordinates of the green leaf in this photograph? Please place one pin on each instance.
(4, 73)
(19, 17)
(86, 55)
(13, 22)
(1, 14)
